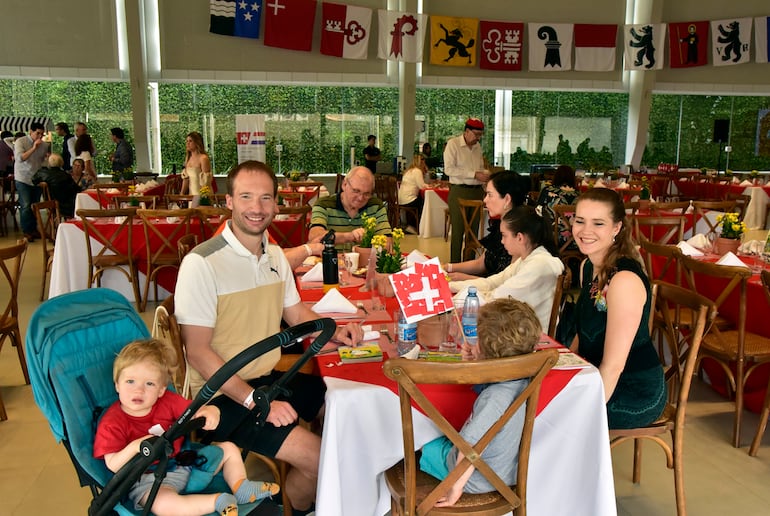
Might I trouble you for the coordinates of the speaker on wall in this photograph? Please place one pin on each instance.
(721, 130)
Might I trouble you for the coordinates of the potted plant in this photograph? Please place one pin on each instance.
(730, 231)
(388, 262)
(644, 194)
(205, 196)
(364, 249)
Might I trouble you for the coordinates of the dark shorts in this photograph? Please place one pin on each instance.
(307, 398)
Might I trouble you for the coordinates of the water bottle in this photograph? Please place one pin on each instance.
(406, 334)
(471, 317)
(329, 264)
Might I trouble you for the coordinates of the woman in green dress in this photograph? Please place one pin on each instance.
(613, 312)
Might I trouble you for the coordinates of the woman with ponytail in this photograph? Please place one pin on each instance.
(613, 311)
(535, 265)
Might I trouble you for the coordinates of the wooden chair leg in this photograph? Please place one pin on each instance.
(3, 415)
(739, 379)
(677, 440)
(637, 475)
(761, 426)
(17, 341)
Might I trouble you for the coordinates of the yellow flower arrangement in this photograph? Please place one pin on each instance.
(389, 261)
(370, 224)
(731, 226)
(205, 195)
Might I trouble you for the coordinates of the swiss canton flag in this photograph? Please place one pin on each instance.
(422, 291)
(730, 41)
(595, 47)
(235, 18)
(289, 24)
(502, 45)
(402, 36)
(687, 44)
(644, 46)
(761, 41)
(453, 40)
(550, 47)
(345, 30)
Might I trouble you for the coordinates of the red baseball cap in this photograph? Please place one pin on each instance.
(474, 123)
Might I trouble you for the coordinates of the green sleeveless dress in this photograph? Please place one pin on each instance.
(640, 395)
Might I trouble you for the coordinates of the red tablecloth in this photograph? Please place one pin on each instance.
(441, 192)
(307, 196)
(626, 193)
(702, 189)
(289, 229)
(156, 190)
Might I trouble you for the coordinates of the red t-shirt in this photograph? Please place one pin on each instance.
(116, 428)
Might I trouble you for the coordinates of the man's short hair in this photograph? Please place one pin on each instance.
(118, 133)
(251, 166)
(5, 134)
(371, 137)
(507, 327)
(34, 126)
(63, 126)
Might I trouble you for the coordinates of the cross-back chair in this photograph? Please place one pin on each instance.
(471, 212)
(397, 209)
(562, 234)
(765, 275)
(415, 492)
(563, 285)
(701, 208)
(679, 379)
(338, 183)
(165, 253)
(11, 263)
(729, 344)
(117, 247)
(126, 201)
(172, 185)
(48, 219)
(211, 217)
(292, 199)
(297, 229)
(659, 207)
(667, 230)
(9, 204)
(185, 244)
(179, 201)
(104, 196)
(310, 189)
(45, 192)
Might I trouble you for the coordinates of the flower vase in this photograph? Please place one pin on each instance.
(723, 245)
(383, 284)
(363, 255)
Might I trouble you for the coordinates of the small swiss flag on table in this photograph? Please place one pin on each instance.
(422, 290)
(289, 24)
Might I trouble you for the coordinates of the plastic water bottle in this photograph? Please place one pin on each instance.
(471, 317)
(406, 334)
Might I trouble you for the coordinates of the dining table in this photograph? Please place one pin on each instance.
(756, 210)
(89, 200)
(362, 429)
(432, 219)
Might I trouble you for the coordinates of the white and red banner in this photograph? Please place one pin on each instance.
(730, 41)
(345, 30)
(550, 47)
(595, 47)
(688, 44)
(422, 290)
(402, 35)
(250, 137)
(501, 45)
(289, 24)
(644, 46)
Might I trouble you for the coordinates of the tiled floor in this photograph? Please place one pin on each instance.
(36, 476)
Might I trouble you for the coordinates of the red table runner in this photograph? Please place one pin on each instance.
(441, 192)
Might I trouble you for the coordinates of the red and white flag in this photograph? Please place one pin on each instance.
(345, 30)
(550, 47)
(422, 291)
(501, 44)
(289, 24)
(402, 35)
(688, 44)
(595, 47)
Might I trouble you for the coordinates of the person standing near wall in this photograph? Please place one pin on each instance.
(123, 157)
(30, 152)
(464, 164)
(372, 154)
(67, 146)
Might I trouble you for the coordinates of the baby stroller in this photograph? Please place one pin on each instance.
(72, 341)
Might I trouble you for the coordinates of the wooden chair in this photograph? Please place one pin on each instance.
(447, 224)
(45, 192)
(127, 201)
(397, 209)
(185, 244)
(103, 196)
(219, 200)
(11, 263)
(110, 256)
(211, 218)
(338, 183)
(679, 380)
(741, 203)
(562, 234)
(48, 220)
(658, 207)
(765, 275)
(172, 185)
(292, 199)
(563, 284)
(164, 255)
(297, 231)
(414, 492)
(730, 345)
(179, 201)
(659, 229)
(701, 207)
(304, 187)
(471, 212)
(9, 204)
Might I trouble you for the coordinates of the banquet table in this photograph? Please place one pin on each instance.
(703, 189)
(362, 436)
(89, 200)
(432, 218)
(309, 196)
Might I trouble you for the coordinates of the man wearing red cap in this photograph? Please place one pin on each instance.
(464, 164)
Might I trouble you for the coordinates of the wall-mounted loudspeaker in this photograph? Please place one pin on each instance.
(721, 130)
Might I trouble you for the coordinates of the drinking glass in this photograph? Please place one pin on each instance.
(344, 271)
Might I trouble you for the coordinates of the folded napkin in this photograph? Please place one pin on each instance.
(371, 335)
(415, 257)
(752, 247)
(622, 186)
(746, 182)
(688, 250)
(700, 241)
(334, 302)
(730, 259)
(599, 183)
(736, 180)
(113, 191)
(585, 182)
(314, 274)
(684, 179)
(412, 354)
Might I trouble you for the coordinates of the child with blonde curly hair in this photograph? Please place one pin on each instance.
(141, 372)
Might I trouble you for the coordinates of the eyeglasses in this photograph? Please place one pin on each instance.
(478, 134)
(357, 192)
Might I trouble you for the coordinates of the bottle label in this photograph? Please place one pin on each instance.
(469, 330)
(407, 332)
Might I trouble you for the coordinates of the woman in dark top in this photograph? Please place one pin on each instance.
(613, 311)
(504, 190)
(560, 191)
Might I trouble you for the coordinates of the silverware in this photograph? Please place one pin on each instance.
(384, 331)
(360, 305)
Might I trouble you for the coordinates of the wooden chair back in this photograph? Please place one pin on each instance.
(402, 478)
(179, 201)
(669, 253)
(102, 192)
(166, 329)
(211, 218)
(45, 192)
(111, 255)
(338, 183)
(563, 284)
(658, 207)
(298, 229)
(471, 212)
(679, 377)
(219, 200)
(11, 263)
(765, 276)
(741, 203)
(136, 201)
(172, 185)
(307, 186)
(659, 229)
(292, 199)
(48, 219)
(185, 244)
(702, 207)
(562, 235)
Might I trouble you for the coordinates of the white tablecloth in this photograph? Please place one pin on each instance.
(69, 271)
(432, 218)
(83, 201)
(756, 209)
(570, 468)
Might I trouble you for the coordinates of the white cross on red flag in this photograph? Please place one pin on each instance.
(422, 290)
(289, 24)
